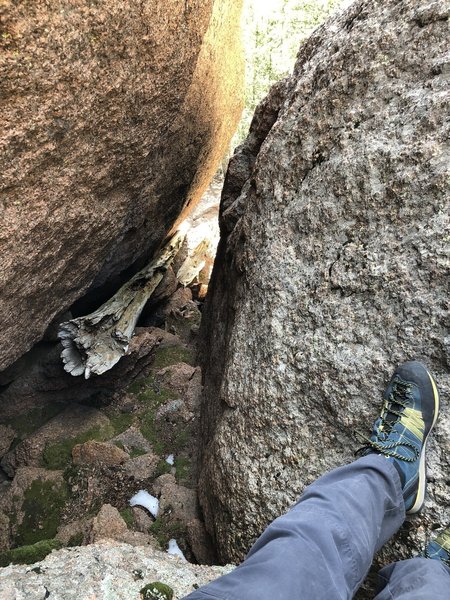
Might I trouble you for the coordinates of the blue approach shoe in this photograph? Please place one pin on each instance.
(439, 549)
(409, 413)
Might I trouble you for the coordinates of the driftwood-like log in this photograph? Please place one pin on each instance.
(96, 342)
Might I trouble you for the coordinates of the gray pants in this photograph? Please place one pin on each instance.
(323, 547)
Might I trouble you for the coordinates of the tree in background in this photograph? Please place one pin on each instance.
(273, 31)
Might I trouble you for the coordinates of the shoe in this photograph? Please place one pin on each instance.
(409, 413)
(439, 549)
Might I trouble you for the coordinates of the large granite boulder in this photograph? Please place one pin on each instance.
(103, 570)
(115, 118)
(333, 267)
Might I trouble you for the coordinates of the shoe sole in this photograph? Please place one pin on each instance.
(420, 498)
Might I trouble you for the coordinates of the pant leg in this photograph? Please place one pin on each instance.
(415, 579)
(324, 546)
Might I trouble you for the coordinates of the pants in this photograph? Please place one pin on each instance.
(322, 548)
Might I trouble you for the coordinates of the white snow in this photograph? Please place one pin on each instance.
(143, 498)
(174, 549)
(170, 459)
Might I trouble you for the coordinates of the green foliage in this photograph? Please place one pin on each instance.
(121, 422)
(156, 591)
(165, 531)
(59, 455)
(162, 468)
(273, 33)
(27, 555)
(127, 516)
(43, 505)
(183, 469)
(171, 355)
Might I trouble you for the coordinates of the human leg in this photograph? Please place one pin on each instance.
(421, 578)
(323, 547)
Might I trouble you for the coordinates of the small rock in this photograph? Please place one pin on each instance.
(132, 439)
(181, 501)
(142, 467)
(142, 520)
(98, 453)
(108, 524)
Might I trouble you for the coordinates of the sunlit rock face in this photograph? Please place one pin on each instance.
(332, 268)
(115, 121)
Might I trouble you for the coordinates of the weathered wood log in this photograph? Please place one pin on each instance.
(96, 342)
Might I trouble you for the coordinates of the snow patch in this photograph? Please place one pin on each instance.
(174, 549)
(143, 498)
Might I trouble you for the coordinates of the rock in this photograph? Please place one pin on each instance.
(76, 533)
(332, 268)
(7, 435)
(52, 443)
(98, 453)
(105, 143)
(142, 521)
(178, 501)
(132, 439)
(142, 467)
(119, 569)
(109, 525)
(200, 542)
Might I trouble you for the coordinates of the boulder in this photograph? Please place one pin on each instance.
(332, 268)
(98, 453)
(115, 122)
(106, 568)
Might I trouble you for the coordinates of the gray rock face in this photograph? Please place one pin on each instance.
(103, 570)
(333, 267)
(114, 123)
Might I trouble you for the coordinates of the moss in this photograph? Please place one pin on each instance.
(156, 591)
(150, 432)
(121, 422)
(135, 452)
(183, 468)
(165, 531)
(76, 540)
(59, 455)
(127, 516)
(162, 468)
(172, 355)
(43, 504)
(29, 554)
(150, 392)
(27, 423)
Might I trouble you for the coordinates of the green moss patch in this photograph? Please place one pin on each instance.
(183, 469)
(165, 531)
(150, 392)
(27, 555)
(127, 516)
(43, 505)
(59, 455)
(171, 355)
(121, 422)
(156, 591)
